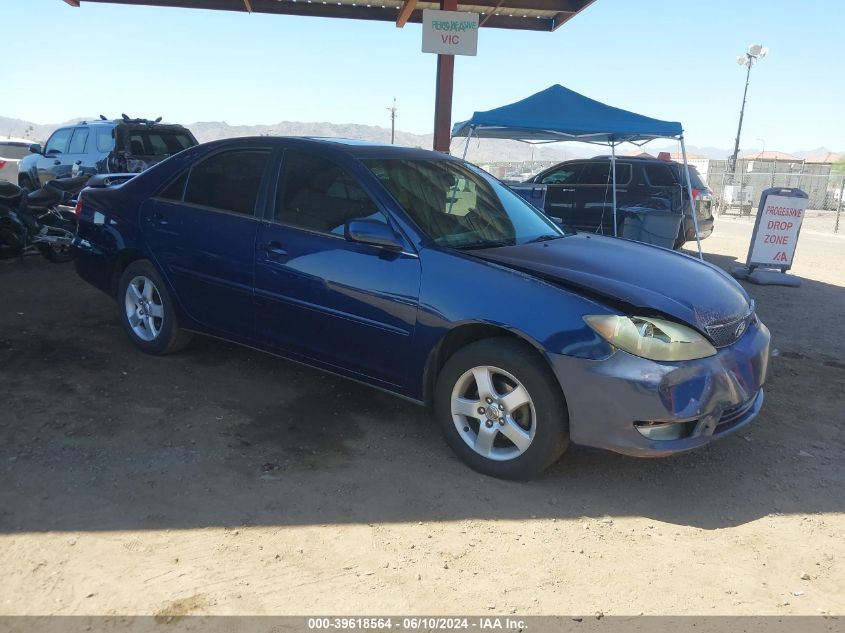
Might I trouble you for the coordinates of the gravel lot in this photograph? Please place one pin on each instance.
(224, 481)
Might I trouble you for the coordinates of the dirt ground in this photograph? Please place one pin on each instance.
(224, 481)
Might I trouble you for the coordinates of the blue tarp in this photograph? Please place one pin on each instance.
(559, 114)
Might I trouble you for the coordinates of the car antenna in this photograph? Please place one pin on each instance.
(125, 118)
(158, 120)
(102, 118)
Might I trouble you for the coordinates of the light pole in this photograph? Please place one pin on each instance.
(754, 53)
(392, 110)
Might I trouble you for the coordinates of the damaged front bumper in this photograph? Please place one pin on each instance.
(645, 408)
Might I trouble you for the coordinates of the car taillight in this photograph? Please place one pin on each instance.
(2, 163)
(78, 209)
(696, 193)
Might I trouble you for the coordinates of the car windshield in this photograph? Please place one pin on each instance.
(459, 207)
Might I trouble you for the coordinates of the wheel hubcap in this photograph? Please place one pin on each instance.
(493, 413)
(144, 308)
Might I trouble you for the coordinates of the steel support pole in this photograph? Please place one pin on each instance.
(443, 99)
(691, 202)
(839, 206)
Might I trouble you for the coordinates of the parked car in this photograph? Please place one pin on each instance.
(579, 192)
(422, 275)
(101, 147)
(12, 150)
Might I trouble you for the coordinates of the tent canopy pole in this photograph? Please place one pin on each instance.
(613, 179)
(466, 145)
(691, 201)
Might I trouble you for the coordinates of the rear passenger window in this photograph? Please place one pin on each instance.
(567, 174)
(176, 189)
(660, 175)
(600, 173)
(318, 195)
(228, 181)
(77, 141)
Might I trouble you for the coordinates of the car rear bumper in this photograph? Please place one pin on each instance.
(705, 228)
(624, 403)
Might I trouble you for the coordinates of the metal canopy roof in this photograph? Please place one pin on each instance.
(530, 15)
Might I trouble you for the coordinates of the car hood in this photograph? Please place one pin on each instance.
(644, 277)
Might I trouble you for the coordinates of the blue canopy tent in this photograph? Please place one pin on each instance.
(559, 114)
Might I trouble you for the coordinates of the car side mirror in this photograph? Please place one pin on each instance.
(374, 233)
(35, 148)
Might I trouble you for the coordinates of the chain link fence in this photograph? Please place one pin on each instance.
(737, 192)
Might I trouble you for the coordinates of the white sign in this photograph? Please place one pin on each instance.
(449, 32)
(777, 231)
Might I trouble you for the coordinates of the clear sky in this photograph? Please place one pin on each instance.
(671, 59)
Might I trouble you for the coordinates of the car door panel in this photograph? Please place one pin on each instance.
(50, 164)
(335, 301)
(207, 256)
(350, 305)
(560, 190)
(202, 232)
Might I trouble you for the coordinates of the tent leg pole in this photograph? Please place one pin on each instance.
(693, 210)
(613, 169)
(466, 146)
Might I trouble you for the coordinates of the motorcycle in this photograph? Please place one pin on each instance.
(42, 220)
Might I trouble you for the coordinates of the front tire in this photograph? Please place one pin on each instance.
(25, 183)
(147, 312)
(501, 409)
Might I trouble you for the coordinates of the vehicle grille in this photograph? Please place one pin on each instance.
(727, 333)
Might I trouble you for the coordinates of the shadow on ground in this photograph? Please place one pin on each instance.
(95, 435)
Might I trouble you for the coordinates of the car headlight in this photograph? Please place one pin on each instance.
(655, 339)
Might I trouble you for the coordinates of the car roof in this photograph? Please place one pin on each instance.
(350, 147)
(620, 159)
(117, 122)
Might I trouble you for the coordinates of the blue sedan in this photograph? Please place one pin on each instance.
(422, 275)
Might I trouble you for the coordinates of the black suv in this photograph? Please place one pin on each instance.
(100, 147)
(579, 193)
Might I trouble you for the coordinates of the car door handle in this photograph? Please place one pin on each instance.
(79, 162)
(157, 217)
(273, 249)
(57, 162)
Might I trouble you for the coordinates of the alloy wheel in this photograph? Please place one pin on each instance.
(493, 413)
(144, 308)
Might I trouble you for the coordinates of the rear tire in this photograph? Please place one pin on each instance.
(147, 311)
(55, 254)
(501, 409)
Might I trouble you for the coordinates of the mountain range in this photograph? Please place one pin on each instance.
(479, 151)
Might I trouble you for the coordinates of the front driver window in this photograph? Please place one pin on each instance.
(59, 141)
(567, 174)
(318, 195)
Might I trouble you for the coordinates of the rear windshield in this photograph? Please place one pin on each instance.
(695, 179)
(152, 142)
